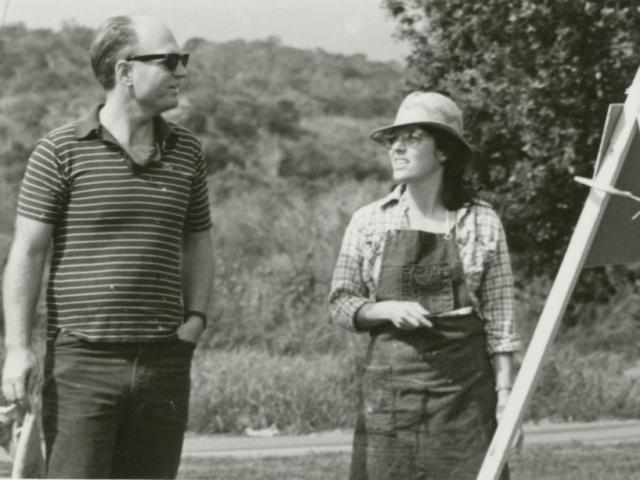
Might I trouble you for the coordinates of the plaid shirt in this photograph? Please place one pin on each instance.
(483, 251)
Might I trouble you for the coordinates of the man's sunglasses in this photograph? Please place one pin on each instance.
(169, 60)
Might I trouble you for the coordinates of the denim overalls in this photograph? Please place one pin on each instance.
(427, 406)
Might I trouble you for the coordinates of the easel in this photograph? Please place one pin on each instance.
(619, 148)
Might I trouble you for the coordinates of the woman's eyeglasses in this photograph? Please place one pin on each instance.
(169, 60)
(410, 138)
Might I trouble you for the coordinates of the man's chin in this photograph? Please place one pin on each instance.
(169, 104)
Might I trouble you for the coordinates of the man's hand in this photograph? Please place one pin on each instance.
(405, 315)
(19, 375)
(191, 329)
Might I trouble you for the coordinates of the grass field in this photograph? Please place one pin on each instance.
(554, 462)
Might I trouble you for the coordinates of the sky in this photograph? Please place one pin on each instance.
(336, 26)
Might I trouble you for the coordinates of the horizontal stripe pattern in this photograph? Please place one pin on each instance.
(115, 266)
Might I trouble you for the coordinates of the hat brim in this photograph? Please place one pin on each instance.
(379, 133)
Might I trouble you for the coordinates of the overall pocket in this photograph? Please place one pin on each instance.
(434, 287)
(379, 399)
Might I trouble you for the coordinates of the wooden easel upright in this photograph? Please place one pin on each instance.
(619, 150)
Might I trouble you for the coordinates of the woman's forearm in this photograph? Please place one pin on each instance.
(503, 368)
(402, 314)
(370, 315)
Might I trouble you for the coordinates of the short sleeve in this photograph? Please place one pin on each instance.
(198, 214)
(43, 190)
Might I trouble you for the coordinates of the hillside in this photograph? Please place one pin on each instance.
(242, 98)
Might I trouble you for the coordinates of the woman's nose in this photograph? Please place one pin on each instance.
(398, 145)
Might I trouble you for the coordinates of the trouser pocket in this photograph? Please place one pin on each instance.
(378, 396)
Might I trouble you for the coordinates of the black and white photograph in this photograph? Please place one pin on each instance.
(320, 240)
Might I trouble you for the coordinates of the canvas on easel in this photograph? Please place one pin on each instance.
(616, 241)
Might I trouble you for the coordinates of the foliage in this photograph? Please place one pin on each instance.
(241, 93)
(534, 79)
(45, 82)
(335, 146)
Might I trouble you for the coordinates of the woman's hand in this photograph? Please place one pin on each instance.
(503, 398)
(407, 315)
(404, 315)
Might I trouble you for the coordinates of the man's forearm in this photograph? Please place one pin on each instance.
(21, 289)
(198, 271)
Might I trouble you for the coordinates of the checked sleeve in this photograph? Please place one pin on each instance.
(348, 289)
(496, 294)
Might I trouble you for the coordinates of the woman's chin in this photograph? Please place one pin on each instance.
(400, 177)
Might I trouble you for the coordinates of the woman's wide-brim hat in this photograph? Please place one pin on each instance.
(428, 109)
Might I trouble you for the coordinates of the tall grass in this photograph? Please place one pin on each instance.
(236, 389)
(275, 250)
(233, 390)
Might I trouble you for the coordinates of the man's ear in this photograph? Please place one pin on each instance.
(123, 73)
(441, 157)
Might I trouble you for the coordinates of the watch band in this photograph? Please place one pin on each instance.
(196, 313)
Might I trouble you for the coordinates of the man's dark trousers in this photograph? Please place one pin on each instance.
(115, 410)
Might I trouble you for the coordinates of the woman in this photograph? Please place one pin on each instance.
(425, 271)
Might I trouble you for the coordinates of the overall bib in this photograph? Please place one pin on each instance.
(427, 405)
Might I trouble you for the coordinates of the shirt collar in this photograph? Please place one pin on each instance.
(89, 127)
(394, 197)
(397, 198)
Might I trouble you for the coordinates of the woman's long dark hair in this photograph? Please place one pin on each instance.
(457, 189)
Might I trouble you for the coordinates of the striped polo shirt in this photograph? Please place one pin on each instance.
(115, 273)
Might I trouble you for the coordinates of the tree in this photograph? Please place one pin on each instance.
(534, 79)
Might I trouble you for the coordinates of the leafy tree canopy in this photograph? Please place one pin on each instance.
(534, 79)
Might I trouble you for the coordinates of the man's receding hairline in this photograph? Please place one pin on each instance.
(138, 24)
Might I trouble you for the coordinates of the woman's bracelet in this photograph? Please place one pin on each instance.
(503, 387)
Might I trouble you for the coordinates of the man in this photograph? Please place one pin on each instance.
(123, 195)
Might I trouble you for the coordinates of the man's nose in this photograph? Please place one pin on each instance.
(181, 71)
